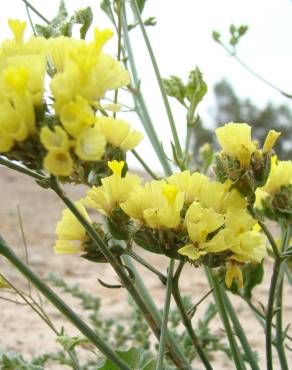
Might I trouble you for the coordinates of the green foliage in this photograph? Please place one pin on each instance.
(236, 33)
(133, 358)
(189, 94)
(252, 275)
(62, 23)
(15, 361)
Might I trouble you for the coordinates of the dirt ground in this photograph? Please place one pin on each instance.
(21, 330)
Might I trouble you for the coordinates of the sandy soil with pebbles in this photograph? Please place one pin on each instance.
(21, 330)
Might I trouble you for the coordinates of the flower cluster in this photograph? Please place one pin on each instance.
(185, 216)
(240, 159)
(56, 128)
(274, 199)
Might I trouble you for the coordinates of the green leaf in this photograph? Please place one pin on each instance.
(85, 18)
(216, 36)
(68, 343)
(62, 14)
(150, 365)
(252, 276)
(131, 357)
(141, 5)
(175, 88)
(196, 88)
(106, 7)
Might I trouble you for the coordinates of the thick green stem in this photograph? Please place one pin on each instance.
(144, 164)
(279, 301)
(163, 333)
(22, 169)
(279, 325)
(250, 356)
(139, 101)
(186, 320)
(183, 364)
(270, 313)
(52, 297)
(36, 11)
(139, 259)
(238, 360)
(159, 79)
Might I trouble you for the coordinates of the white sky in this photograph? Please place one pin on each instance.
(182, 39)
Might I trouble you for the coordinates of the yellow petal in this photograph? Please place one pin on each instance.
(270, 140)
(58, 162)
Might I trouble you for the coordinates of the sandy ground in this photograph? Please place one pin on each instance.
(21, 330)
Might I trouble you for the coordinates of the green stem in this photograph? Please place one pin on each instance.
(279, 303)
(62, 306)
(36, 11)
(250, 356)
(22, 169)
(30, 20)
(279, 325)
(182, 361)
(188, 139)
(250, 70)
(267, 233)
(158, 77)
(163, 333)
(270, 313)
(144, 164)
(140, 105)
(119, 29)
(237, 358)
(186, 320)
(139, 259)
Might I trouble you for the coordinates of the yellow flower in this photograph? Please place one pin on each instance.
(106, 75)
(235, 140)
(12, 123)
(116, 167)
(101, 38)
(33, 69)
(118, 133)
(71, 234)
(270, 140)
(280, 175)
(169, 211)
(16, 79)
(77, 116)
(157, 204)
(202, 221)
(57, 139)
(4, 284)
(260, 196)
(233, 272)
(190, 184)
(239, 221)
(90, 145)
(58, 49)
(58, 162)
(6, 142)
(248, 247)
(18, 28)
(64, 86)
(113, 191)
